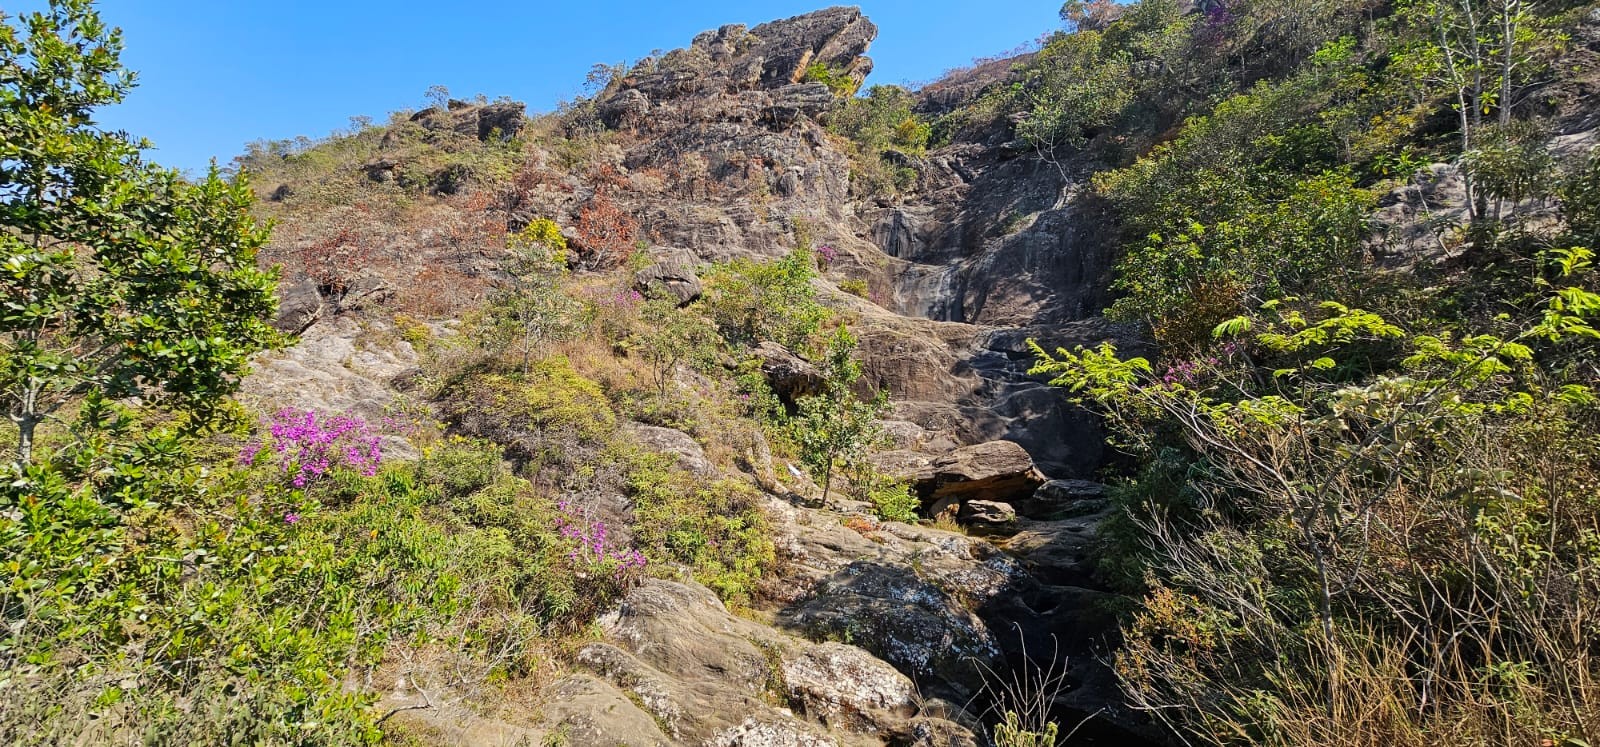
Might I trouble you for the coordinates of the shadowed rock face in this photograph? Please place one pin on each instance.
(992, 245)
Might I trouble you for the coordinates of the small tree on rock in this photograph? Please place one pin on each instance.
(835, 427)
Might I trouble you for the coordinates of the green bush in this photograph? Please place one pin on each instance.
(882, 130)
(1580, 200)
(460, 466)
(839, 82)
(717, 530)
(752, 301)
(1329, 499)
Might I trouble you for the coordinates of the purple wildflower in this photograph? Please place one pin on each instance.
(308, 447)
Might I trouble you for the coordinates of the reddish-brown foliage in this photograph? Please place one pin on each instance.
(334, 261)
(605, 235)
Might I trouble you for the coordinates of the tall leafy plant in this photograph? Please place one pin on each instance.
(120, 281)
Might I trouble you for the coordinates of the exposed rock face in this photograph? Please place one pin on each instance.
(299, 306)
(991, 471)
(592, 713)
(989, 516)
(844, 686)
(707, 677)
(789, 375)
(719, 150)
(835, 37)
(500, 120)
(1059, 499)
(675, 279)
(690, 457)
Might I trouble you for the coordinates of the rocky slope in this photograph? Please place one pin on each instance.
(880, 633)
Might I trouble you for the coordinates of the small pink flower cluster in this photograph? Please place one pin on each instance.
(625, 300)
(308, 447)
(827, 254)
(1186, 372)
(590, 543)
(1191, 371)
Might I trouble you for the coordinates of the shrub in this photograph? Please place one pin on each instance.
(882, 130)
(605, 236)
(671, 337)
(718, 530)
(551, 415)
(841, 83)
(1580, 199)
(753, 301)
(1369, 520)
(533, 308)
(460, 466)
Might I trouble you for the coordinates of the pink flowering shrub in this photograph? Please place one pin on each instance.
(592, 548)
(305, 446)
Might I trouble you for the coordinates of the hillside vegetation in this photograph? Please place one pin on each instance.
(1357, 496)
(1366, 511)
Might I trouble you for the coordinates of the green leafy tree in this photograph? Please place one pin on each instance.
(121, 282)
(673, 337)
(835, 427)
(532, 308)
(774, 300)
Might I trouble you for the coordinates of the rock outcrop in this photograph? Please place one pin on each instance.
(719, 151)
(707, 677)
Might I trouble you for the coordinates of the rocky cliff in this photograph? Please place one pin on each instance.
(719, 150)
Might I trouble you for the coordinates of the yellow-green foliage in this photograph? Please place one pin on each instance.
(773, 300)
(543, 232)
(839, 82)
(551, 396)
(718, 530)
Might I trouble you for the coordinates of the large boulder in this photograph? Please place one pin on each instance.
(672, 278)
(299, 306)
(687, 452)
(589, 712)
(988, 516)
(845, 686)
(996, 471)
(1060, 499)
(789, 375)
(501, 120)
(708, 677)
(836, 37)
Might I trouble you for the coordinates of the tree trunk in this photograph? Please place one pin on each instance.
(25, 428)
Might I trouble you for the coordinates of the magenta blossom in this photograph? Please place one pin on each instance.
(291, 518)
(309, 446)
(591, 545)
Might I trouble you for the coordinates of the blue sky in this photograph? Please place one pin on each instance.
(216, 74)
